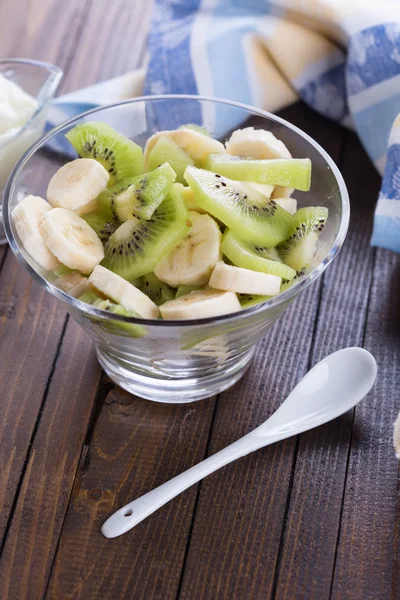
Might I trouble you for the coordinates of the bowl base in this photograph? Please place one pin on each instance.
(174, 391)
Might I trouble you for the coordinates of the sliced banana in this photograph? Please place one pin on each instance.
(281, 192)
(74, 284)
(262, 188)
(26, 216)
(244, 281)
(256, 143)
(192, 261)
(190, 200)
(77, 184)
(122, 292)
(71, 240)
(200, 305)
(289, 204)
(197, 145)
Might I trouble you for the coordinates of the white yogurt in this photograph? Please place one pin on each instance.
(16, 109)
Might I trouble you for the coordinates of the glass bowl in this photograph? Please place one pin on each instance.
(179, 361)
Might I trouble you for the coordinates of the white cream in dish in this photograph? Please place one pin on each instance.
(16, 109)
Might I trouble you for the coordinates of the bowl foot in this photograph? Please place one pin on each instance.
(173, 391)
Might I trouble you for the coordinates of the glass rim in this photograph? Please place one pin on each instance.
(57, 73)
(92, 311)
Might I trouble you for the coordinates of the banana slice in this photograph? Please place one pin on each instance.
(77, 184)
(262, 188)
(256, 143)
(71, 240)
(122, 292)
(74, 284)
(243, 281)
(201, 304)
(289, 204)
(190, 200)
(281, 192)
(26, 216)
(192, 261)
(197, 145)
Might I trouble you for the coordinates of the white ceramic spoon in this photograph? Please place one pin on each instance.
(331, 388)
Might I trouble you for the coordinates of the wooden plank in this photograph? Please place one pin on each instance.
(365, 562)
(311, 528)
(39, 29)
(136, 446)
(37, 520)
(30, 328)
(116, 33)
(237, 528)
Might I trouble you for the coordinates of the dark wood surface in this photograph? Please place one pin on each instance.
(311, 518)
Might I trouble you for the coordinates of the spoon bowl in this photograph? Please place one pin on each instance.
(331, 388)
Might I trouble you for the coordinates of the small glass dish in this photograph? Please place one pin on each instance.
(40, 80)
(180, 361)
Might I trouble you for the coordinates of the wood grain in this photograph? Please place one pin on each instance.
(365, 559)
(235, 541)
(31, 324)
(49, 476)
(39, 29)
(311, 529)
(135, 447)
(116, 33)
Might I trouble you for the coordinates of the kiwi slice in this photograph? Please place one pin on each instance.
(255, 218)
(145, 194)
(89, 297)
(186, 289)
(255, 258)
(247, 300)
(165, 150)
(119, 155)
(137, 246)
(158, 291)
(102, 225)
(299, 248)
(287, 172)
(63, 270)
(197, 128)
(118, 327)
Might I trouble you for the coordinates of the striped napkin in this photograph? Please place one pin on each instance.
(342, 57)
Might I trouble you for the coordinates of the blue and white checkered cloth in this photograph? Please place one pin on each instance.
(342, 57)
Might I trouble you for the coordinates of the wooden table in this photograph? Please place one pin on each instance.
(311, 518)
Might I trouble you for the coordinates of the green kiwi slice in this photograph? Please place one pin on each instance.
(247, 300)
(145, 194)
(158, 291)
(255, 258)
(197, 128)
(287, 172)
(299, 248)
(63, 270)
(165, 150)
(186, 289)
(89, 297)
(118, 327)
(138, 246)
(119, 155)
(255, 218)
(103, 226)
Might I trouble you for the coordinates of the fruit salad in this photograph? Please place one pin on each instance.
(187, 228)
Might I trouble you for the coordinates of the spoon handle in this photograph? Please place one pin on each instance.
(133, 513)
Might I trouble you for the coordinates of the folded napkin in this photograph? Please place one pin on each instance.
(342, 57)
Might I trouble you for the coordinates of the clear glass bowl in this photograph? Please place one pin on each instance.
(180, 361)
